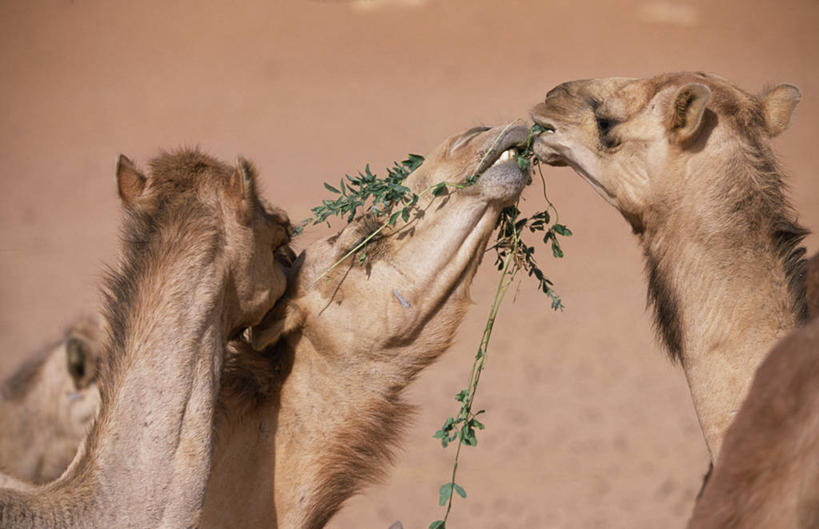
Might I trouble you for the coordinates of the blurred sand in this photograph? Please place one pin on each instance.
(588, 423)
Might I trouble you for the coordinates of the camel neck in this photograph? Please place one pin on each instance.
(344, 441)
(147, 457)
(722, 295)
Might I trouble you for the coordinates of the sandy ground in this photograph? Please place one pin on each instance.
(588, 424)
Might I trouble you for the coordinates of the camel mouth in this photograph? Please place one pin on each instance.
(284, 256)
(547, 150)
(503, 149)
(499, 176)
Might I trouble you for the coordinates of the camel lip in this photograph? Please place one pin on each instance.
(513, 137)
(546, 149)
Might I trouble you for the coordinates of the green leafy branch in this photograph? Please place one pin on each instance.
(380, 196)
(462, 428)
(512, 256)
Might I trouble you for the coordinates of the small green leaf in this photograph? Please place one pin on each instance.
(562, 230)
(462, 395)
(439, 189)
(362, 256)
(537, 129)
(556, 251)
(461, 492)
(437, 524)
(467, 435)
(444, 493)
(394, 218)
(405, 214)
(331, 188)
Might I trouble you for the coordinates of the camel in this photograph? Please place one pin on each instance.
(767, 474)
(48, 404)
(686, 159)
(198, 267)
(297, 444)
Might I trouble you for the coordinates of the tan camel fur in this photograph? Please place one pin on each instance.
(328, 421)
(767, 474)
(47, 405)
(686, 159)
(198, 266)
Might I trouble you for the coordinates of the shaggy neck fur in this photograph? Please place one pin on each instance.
(740, 246)
(147, 457)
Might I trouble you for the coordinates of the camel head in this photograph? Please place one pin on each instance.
(409, 270)
(48, 404)
(644, 144)
(254, 236)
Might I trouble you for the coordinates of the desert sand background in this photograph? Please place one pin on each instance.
(589, 425)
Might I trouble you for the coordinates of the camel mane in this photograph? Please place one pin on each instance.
(176, 219)
(756, 185)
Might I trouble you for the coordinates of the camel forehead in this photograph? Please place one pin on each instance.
(187, 169)
(187, 166)
(625, 96)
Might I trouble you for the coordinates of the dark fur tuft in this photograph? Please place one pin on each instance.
(663, 299)
(785, 233)
(787, 237)
(359, 456)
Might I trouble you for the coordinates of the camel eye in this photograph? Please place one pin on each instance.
(604, 125)
(604, 128)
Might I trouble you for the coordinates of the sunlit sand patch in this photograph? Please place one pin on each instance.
(370, 5)
(672, 13)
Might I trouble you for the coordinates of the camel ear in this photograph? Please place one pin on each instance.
(130, 182)
(778, 106)
(686, 111)
(77, 357)
(242, 190)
